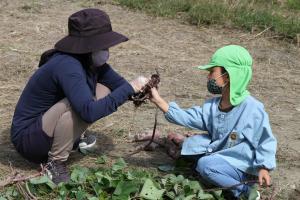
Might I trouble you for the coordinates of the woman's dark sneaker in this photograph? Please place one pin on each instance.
(85, 144)
(57, 171)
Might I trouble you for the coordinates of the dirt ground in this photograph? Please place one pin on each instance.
(28, 28)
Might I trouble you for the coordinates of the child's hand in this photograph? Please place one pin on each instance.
(155, 97)
(264, 177)
(158, 101)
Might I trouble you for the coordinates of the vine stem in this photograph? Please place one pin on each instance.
(152, 137)
(16, 178)
(154, 129)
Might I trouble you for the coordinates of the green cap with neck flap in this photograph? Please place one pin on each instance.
(238, 63)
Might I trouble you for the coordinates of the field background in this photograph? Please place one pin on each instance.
(173, 46)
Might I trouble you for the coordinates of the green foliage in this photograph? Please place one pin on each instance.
(10, 193)
(170, 7)
(247, 14)
(101, 160)
(160, 8)
(206, 13)
(286, 27)
(253, 194)
(125, 188)
(117, 183)
(150, 191)
(294, 4)
(119, 165)
(80, 174)
(136, 4)
(42, 180)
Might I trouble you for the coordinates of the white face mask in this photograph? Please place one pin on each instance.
(99, 58)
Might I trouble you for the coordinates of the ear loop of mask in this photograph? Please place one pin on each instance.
(221, 76)
(213, 87)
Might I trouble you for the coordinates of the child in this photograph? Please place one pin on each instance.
(239, 143)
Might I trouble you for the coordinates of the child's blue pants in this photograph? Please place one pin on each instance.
(219, 172)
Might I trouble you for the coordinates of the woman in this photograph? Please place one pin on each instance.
(73, 88)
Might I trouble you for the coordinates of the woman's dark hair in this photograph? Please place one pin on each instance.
(84, 59)
(46, 56)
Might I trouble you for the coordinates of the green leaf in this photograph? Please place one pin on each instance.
(119, 165)
(171, 195)
(180, 197)
(102, 159)
(97, 188)
(93, 198)
(177, 188)
(80, 195)
(253, 193)
(104, 179)
(191, 186)
(39, 180)
(104, 196)
(179, 179)
(190, 197)
(130, 175)
(141, 175)
(79, 174)
(166, 168)
(194, 185)
(63, 192)
(150, 192)
(125, 188)
(202, 195)
(175, 179)
(218, 194)
(42, 180)
(11, 192)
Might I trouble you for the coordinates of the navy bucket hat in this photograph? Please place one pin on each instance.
(90, 30)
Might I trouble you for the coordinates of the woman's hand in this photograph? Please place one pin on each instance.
(264, 177)
(138, 83)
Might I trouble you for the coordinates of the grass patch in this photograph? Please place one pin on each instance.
(206, 13)
(294, 4)
(166, 8)
(287, 27)
(280, 17)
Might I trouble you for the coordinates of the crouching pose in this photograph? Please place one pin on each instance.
(239, 143)
(73, 87)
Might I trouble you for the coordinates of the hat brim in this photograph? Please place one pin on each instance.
(82, 45)
(205, 67)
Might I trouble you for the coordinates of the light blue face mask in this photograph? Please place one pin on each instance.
(99, 58)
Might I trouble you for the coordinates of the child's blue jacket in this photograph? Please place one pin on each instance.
(243, 136)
